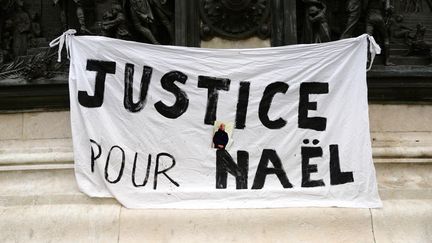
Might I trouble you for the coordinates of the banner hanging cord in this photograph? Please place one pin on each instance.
(374, 49)
(60, 41)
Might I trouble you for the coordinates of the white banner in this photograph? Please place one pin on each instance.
(177, 127)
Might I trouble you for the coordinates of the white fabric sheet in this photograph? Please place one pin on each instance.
(286, 130)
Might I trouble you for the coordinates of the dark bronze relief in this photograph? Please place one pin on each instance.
(235, 19)
(24, 51)
(315, 28)
(27, 26)
(409, 30)
(401, 27)
(150, 21)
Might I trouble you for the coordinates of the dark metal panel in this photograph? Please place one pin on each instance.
(187, 23)
(34, 96)
(290, 21)
(284, 22)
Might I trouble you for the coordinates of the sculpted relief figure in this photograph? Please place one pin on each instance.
(62, 6)
(315, 29)
(114, 23)
(148, 16)
(376, 10)
(398, 30)
(353, 9)
(142, 19)
(23, 50)
(164, 16)
(412, 6)
(375, 24)
(79, 14)
(418, 45)
(21, 29)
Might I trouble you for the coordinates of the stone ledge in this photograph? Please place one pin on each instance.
(33, 154)
(247, 225)
(408, 160)
(399, 221)
(34, 146)
(403, 221)
(58, 186)
(60, 223)
(46, 205)
(402, 152)
(37, 154)
(36, 158)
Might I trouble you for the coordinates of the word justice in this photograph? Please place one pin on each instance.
(213, 86)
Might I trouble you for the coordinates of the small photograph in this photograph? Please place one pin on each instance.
(222, 134)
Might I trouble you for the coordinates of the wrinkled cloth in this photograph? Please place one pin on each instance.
(155, 155)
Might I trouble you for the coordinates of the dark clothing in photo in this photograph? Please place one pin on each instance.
(220, 138)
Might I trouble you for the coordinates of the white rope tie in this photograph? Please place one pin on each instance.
(374, 49)
(60, 41)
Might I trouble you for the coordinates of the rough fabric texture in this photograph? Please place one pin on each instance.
(142, 123)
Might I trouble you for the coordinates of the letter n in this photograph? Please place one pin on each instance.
(225, 164)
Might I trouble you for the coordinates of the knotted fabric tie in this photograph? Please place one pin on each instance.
(374, 49)
(61, 40)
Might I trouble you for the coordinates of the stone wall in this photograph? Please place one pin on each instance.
(40, 202)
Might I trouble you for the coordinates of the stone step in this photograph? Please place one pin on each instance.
(22, 58)
(397, 49)
(37, 50)
(379, 59)
(398, 46)
(45, 204)
(37, 154)
(45, 44)
(418, 15)
(410, 60)
(399, 42)
(398, 221)
(396, 181)
(41, 42)
(398, 52)
(417, 20)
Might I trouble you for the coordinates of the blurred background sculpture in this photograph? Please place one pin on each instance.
(315, 27)
(63, 5)
(114, 23)
(26, 27)
(151, 20)
(353, 9)
(401, 27)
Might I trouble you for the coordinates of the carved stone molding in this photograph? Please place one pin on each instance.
(235, 19)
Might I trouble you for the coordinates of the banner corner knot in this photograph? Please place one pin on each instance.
(60, 41)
